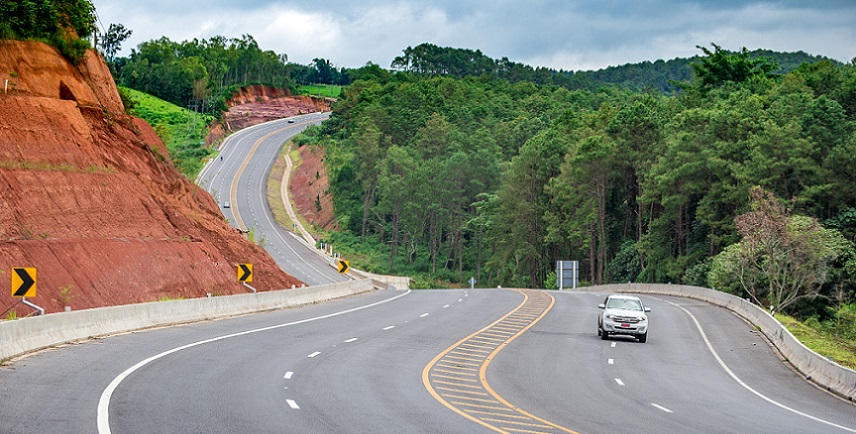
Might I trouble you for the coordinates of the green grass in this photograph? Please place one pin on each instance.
(841, 350)
(322, 90)
(175, 126)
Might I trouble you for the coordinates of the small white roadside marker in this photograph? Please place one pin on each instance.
(389, 327)
(613, 345)
(610, 361)
(288, 375)
(618, 380)
(423, 315)
(660, 407)
(292, 404)
(314, 354)
(350, 340)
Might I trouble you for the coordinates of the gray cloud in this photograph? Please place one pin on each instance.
(554, 33)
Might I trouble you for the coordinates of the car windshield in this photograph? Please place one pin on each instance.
(624, 303)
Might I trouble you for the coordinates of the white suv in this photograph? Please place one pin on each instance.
(623, 315)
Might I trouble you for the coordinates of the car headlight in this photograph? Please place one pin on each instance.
(611, 316)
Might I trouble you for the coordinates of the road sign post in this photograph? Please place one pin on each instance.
(343, 266)
(567, 274)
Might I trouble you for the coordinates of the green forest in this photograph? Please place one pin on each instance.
(743, 180)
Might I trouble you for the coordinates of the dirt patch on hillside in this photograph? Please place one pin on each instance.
(89, 196)
(309, 189)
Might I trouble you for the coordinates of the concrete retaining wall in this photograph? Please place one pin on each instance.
(828, 374)
(28, 334)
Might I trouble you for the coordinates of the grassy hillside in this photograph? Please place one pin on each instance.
(321, 90)
(182, 130)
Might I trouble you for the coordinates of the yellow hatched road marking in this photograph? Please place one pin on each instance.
(459, 367)
(497, 335)
(454, 372)
(490, 413)
(469, 351)
(468, 404)
(469, 392)
(534, 425)
(453, 378)
(469, 398)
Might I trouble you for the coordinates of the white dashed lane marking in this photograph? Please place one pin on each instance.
(314, 354)
(350, 340)
(423, 315)
(292, 404)
(288, 375)
(610, 361)
(389, 327)
(660, 407)
(618, 380)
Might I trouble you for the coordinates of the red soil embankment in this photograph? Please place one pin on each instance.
(89, 196)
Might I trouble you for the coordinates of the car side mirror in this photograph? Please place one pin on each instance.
(647, 309)
(601, 306)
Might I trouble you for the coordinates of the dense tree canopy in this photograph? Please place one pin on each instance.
(61, 23)
(497, 178)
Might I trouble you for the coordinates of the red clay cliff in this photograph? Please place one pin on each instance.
(89, 197)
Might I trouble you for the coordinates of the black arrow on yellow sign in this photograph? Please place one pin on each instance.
(245, 272)
(343, 266)
(24, 282)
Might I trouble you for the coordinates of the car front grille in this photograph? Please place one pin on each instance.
(626, 319)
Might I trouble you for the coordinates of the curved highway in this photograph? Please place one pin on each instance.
(521, 361)
(240, 178)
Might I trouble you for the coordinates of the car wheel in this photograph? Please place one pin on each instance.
(598, 330)
(643, 337)
(604, 335)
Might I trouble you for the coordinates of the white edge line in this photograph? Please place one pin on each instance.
(104, 402)
(746, 386)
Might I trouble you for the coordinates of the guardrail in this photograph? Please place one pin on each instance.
(27, 334)
(822, 371)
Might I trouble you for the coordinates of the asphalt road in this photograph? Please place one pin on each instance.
(240, 178)
(383, 362)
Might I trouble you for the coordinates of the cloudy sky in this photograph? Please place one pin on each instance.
(561, 34)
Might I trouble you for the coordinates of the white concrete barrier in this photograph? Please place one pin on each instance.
(28, 334)
(828, 374)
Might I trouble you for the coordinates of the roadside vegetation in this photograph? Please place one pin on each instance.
(320, 90)
(824, 340)
(182, 131)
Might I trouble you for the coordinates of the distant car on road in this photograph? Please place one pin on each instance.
(226, 204)
(623, 315)
(291, 121)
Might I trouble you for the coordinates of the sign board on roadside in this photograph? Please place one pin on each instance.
(23, 282)
(343, 265)
(245, 272)
(567, 274)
